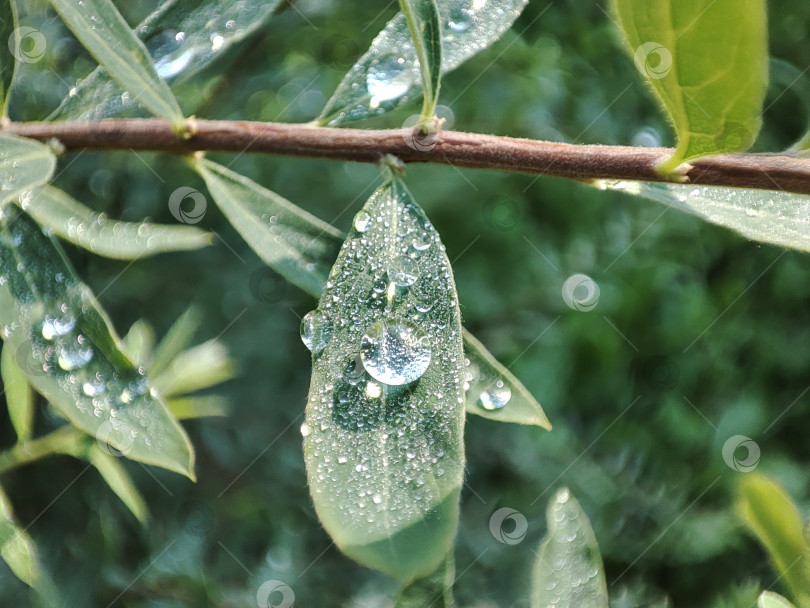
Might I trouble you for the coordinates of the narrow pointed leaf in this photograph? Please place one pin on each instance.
(388, 76)
(9, 33)
(765, 507)
(182, 38)
(16, 547)
(72, 221)
(116, 477)
(70, 354)
(103, 32)
(568, 570)
(383, 436)
(433, 591)
(769, 599)
(707, 63)
(176, 339)
(296, 244)
(779, 218)
(199, 367)
(187, 408)
(424, 23)
(19, 394)
(24, 164)
(302, 248)
(139, 342)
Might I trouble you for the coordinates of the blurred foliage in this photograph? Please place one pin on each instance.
(698, 336)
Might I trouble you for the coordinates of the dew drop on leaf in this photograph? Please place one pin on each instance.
(495, 396)
(395, 353)
(316, 331)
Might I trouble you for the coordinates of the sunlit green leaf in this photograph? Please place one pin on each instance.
(19, 394)
(16, 546)
(70, 354)
(24, 164)
(707, 63)
(182, 38)
(772, 600)
(186, 408)
(388, 76)
(69, 219)
(424, 23)
(115, 475)
(568, 570)
(103, 32)
(383, 436)
(432, 591)
(139, 342)
(766, 508)
(176, 339)
(199, 367)
(779, 218)
(8, 62)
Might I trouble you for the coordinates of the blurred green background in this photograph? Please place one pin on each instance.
(696, 336)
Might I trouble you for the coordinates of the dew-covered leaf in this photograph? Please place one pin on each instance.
(388, 76)
(72, 221)
(768, 599)
(103, 32)
(16, 547)
(70, 354)
(424, 23)
(779, 218)
(707, 63)
(493, 392)
(383, 435)
(176, 339)
(182, 38)
(568, 570)
(765, 507)
(24, 164)
(296, 244)
(432, 591)
(197, 368)
(19, 394)
(10, 34)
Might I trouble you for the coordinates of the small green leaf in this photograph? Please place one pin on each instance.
(388, 75)
(9, 33)
(765, 507)
(568, 571)
(139, 342)
(383, 435)
(209, 30)
(103, 32)
(424, 23)
(70, 354)
(296, 244)
(115, 475)
(82, 226)
(779, 218)
(187, 408)
(199, 367)
(16, 547)
(772, 600)
(176, 339)
(707, 63)
(19, 394)
(24, 164)
(433, 591)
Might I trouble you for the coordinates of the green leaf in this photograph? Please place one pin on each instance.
(779, 218)
(139, 342)
(433, 591)
(568, 571)
(19, 394)
(493, 392)
(187, 408)
(772, 600)
(10, 34)
(388, 75)
(16, 547)
(296, 244)
(182, 40)
(765, 507)
(199, 367)
(707, 63)
(24, 164)
(103, 32)
(70, 354)
(115, 475)
(302, 248)
(383, 436)
(424, 23)
(176, 339)
(72, 221)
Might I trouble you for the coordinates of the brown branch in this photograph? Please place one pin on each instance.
(580, 162)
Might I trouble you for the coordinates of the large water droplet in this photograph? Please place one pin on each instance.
(75, 355)
(459, 16)
(361, 220)
(495, 396)
(316, 331)
(57, 326)
(402, 271)
(395, 353)
(388, 79)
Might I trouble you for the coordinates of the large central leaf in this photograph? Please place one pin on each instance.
(383, 437)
